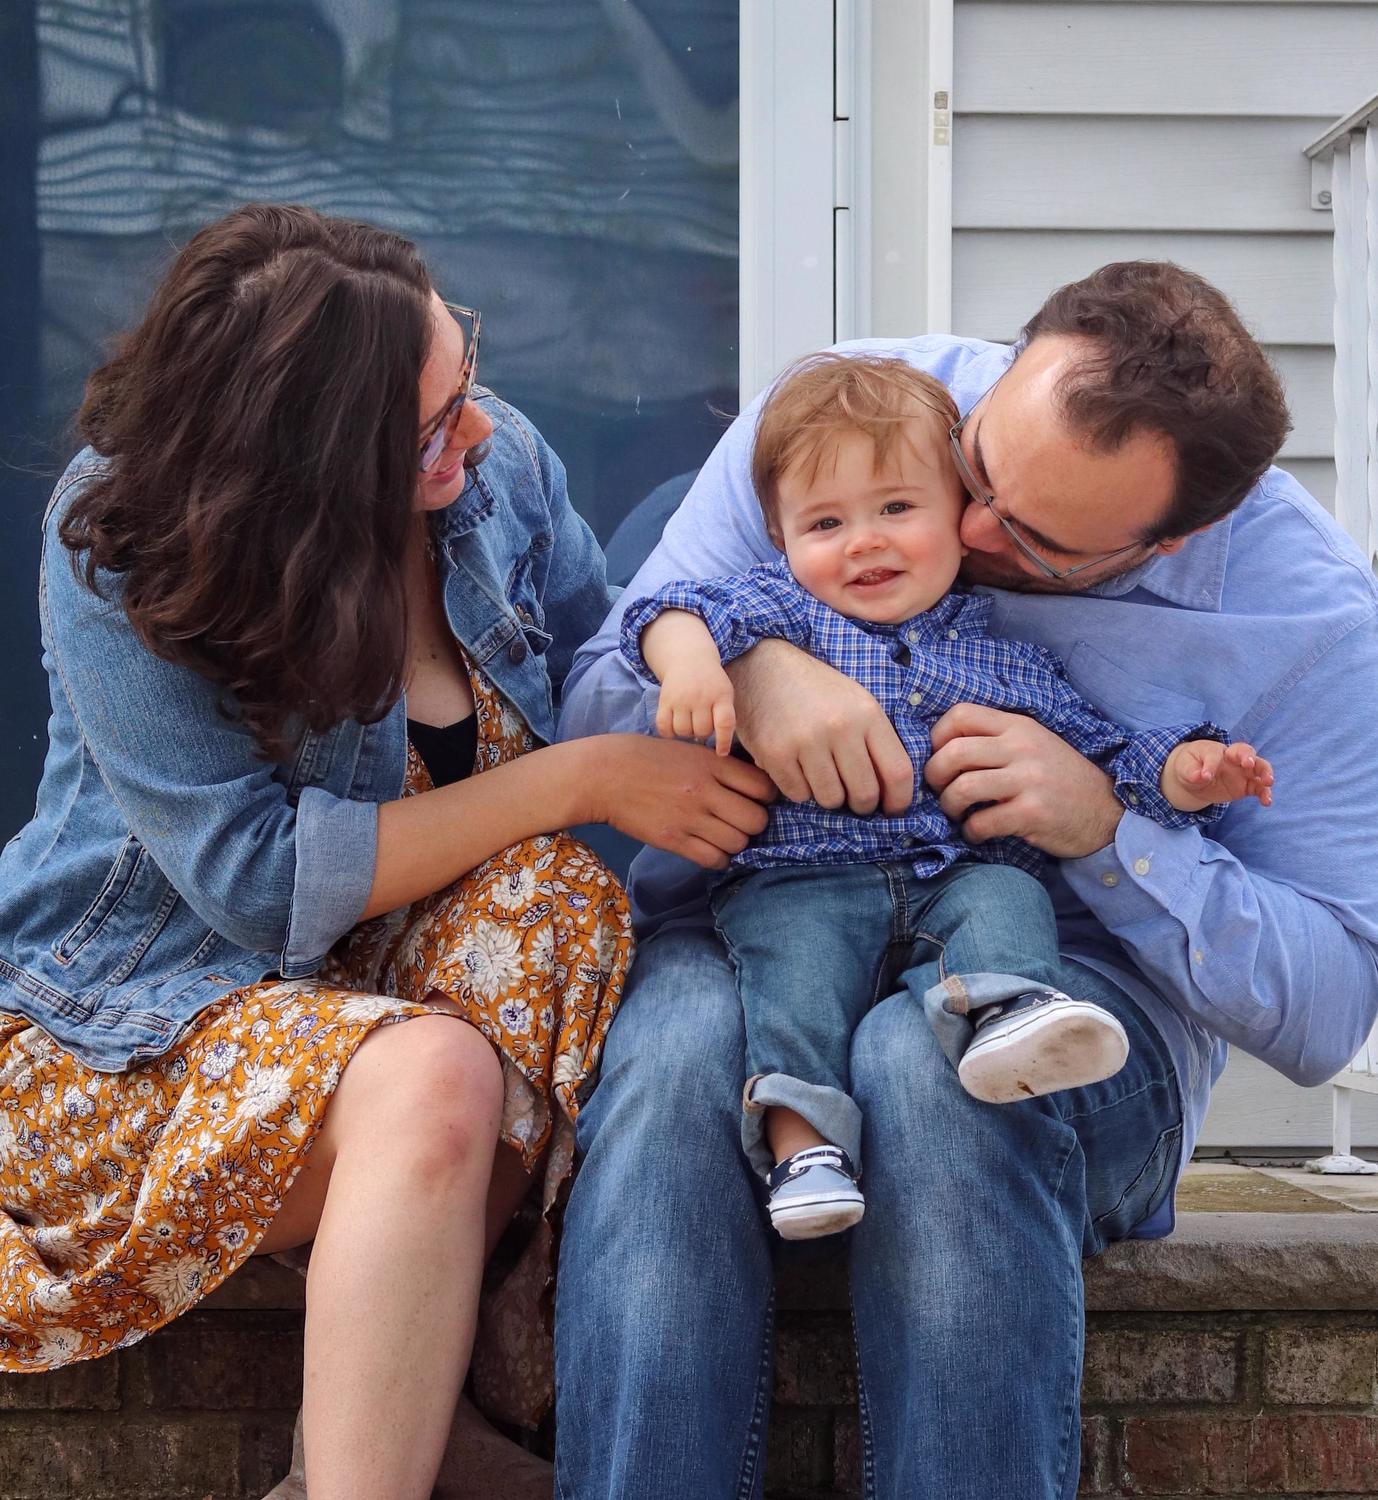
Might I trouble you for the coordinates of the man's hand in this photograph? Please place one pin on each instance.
(1039, 788)
(817, 734)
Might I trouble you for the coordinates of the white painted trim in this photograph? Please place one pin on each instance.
(940, 71)
(786, 184)
(910, 168)
(846, 175)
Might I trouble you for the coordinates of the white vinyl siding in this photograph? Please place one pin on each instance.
(1087, 132)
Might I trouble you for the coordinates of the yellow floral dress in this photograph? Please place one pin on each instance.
(125, 1198)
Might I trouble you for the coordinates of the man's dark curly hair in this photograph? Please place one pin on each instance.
(1167, 353)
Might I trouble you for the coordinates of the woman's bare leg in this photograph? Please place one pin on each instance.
(394, 1195)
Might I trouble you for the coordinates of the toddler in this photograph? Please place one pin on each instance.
(827, 911)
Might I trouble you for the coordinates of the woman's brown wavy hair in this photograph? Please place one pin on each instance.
(262, 425)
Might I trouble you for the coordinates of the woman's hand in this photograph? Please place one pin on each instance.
(681, 798)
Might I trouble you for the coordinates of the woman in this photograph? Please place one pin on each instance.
(285, 611)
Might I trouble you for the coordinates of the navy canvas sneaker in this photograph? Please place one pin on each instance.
(814, 1193)
(1038, 1044)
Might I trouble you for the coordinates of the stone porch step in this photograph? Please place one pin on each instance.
(1238, 1358)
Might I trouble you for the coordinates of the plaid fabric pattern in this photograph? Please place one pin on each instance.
(916, 670)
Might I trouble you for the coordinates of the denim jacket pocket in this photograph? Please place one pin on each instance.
(117, 883)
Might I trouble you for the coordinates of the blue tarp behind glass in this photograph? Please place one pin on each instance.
(568, 166)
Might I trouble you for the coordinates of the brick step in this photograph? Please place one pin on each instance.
(1239, 1358)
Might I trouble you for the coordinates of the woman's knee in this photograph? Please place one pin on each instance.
(429, 1088)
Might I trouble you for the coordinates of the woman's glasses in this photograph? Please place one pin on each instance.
(445, 424)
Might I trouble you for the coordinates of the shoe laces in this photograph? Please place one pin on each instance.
(814, 1156)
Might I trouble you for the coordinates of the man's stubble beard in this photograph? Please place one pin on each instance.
(993, 572)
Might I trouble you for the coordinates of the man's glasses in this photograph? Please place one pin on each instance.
(978, 491)
(445, 424)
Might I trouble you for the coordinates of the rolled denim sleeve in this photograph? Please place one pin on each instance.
(574, 591)
(329, 893)
(270, 876)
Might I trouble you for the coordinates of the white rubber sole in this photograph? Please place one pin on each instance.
(1066, 1045)
(811, 1221)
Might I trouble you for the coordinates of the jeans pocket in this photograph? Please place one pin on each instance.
(1144, 1194)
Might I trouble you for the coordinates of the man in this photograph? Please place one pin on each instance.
(1124, 510)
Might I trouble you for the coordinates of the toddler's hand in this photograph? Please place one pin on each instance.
(1206, 772)
(696, 702)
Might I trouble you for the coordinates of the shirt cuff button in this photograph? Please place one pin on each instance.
(1110, 878)
(1141, 866)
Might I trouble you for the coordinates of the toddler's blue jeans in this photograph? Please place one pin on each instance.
(814, 947)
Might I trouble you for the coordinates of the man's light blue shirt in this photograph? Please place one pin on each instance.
(1261, 934)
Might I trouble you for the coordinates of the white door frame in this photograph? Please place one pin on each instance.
(846, 175)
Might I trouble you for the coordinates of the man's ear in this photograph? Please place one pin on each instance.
(1176, 543)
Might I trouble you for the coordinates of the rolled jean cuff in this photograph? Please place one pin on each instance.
(949, 1005)
(831, 1113)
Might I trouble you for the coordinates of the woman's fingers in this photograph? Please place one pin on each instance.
(703, 853)
(743, 815)
(741, 776)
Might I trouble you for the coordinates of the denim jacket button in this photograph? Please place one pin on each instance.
(516, 652)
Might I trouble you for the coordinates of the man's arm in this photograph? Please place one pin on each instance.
(1267, 933)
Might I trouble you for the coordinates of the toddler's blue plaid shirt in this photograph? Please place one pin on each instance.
(916, 671)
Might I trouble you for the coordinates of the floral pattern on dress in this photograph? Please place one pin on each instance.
(125, 1198)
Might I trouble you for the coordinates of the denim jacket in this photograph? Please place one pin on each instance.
(167, 863)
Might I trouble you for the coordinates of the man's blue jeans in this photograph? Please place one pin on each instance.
(814, 947)
(965, 1273)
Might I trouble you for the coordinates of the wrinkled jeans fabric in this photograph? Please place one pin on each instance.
(814, 947)
(965, 1273)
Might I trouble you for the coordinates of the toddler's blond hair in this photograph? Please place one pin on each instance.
(822, 396)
